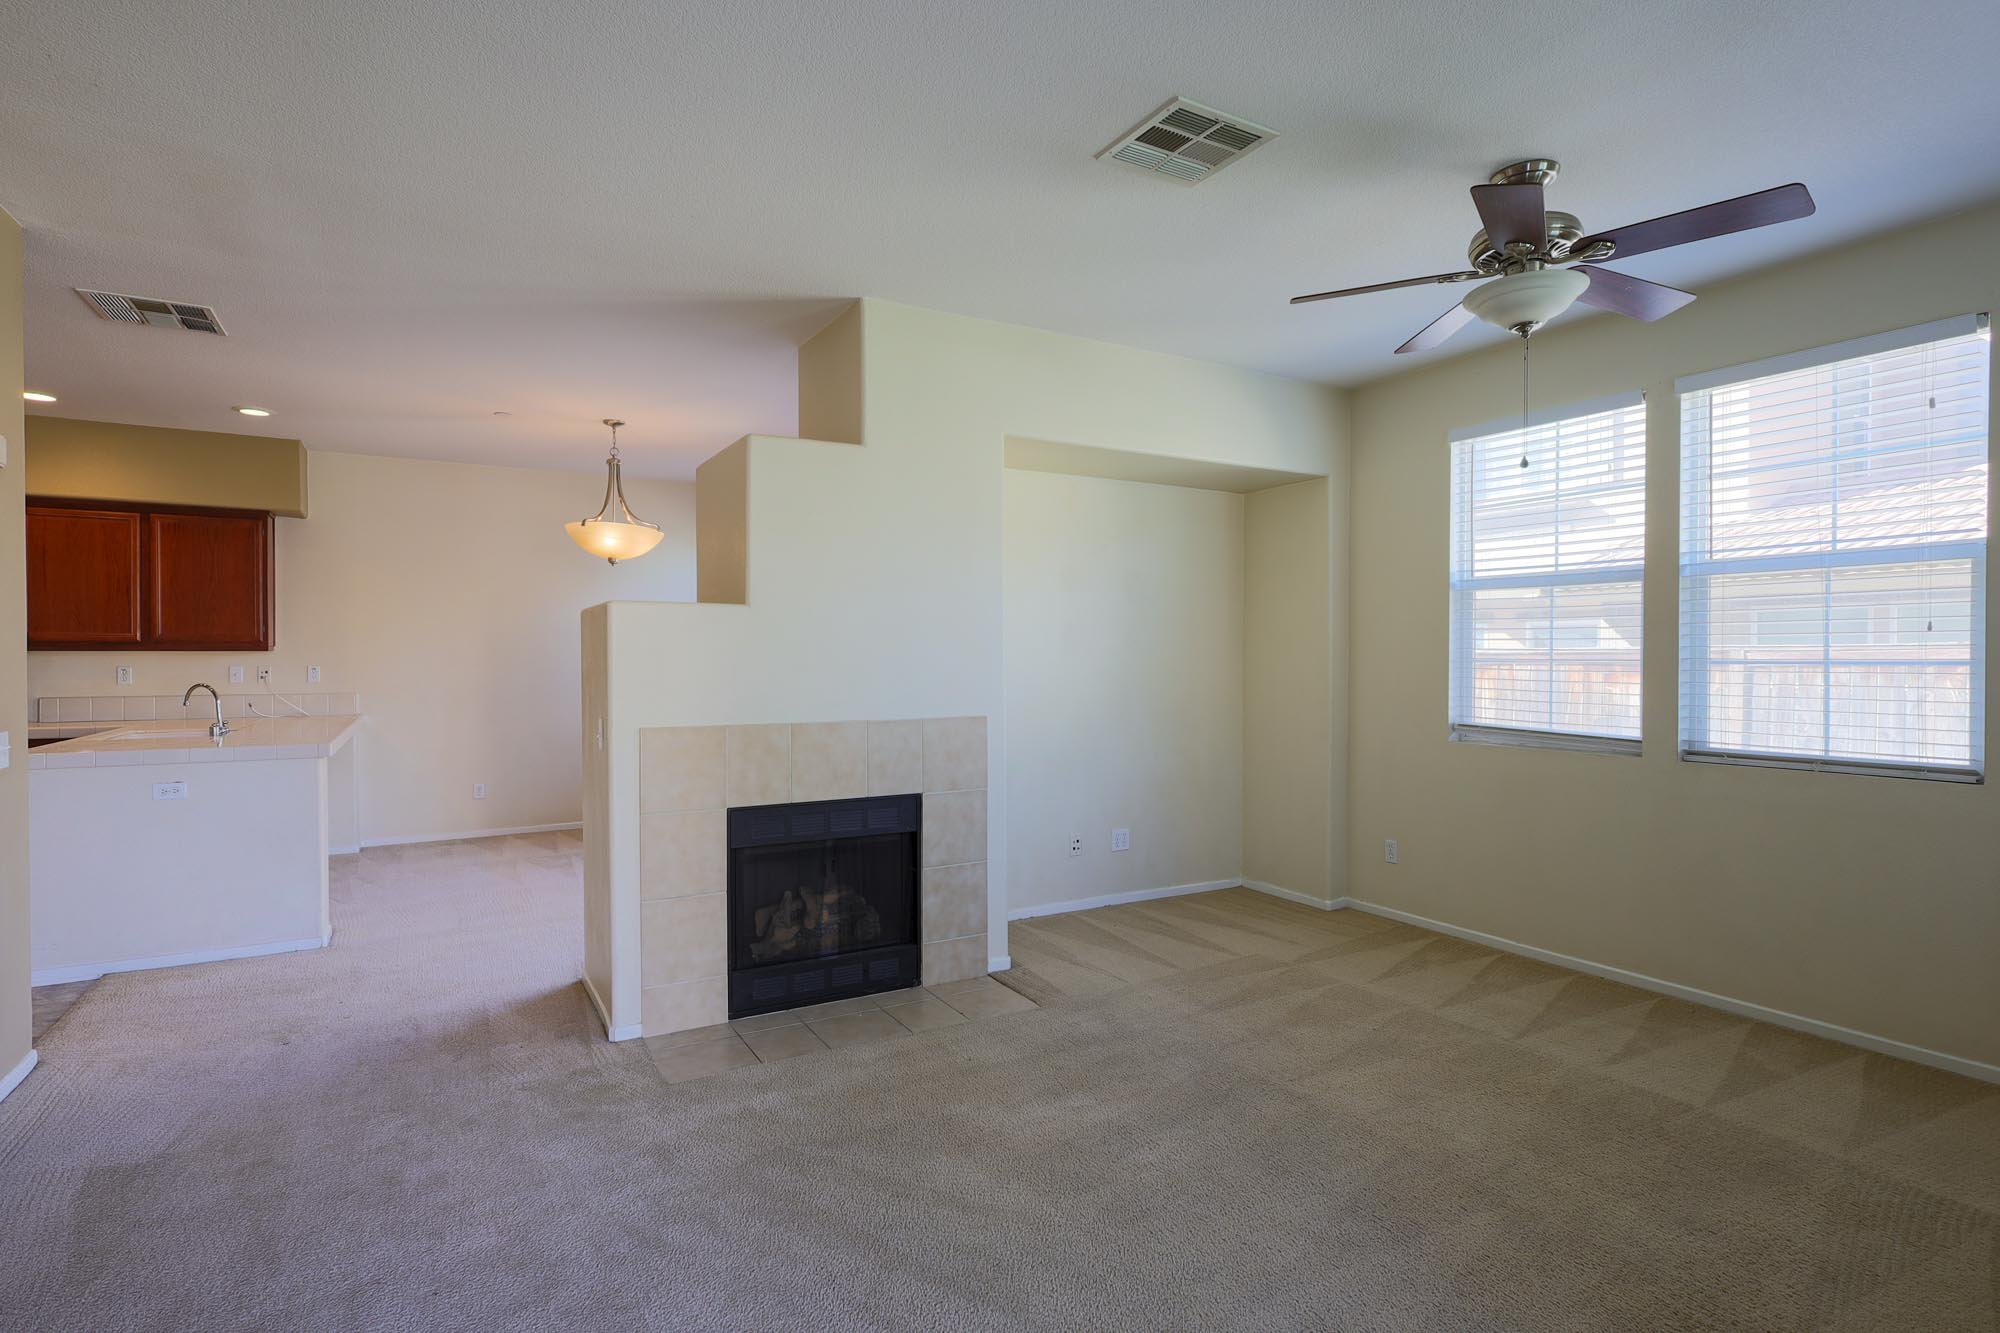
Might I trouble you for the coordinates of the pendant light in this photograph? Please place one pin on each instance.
(614, 532)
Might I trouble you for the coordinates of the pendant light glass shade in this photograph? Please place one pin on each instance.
(614, 532)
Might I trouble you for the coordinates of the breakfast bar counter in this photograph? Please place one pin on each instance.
(153, 843)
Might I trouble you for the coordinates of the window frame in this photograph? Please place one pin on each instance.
(1693, 573)
(1462, 650)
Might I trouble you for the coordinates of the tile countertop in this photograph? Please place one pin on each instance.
(186, 740)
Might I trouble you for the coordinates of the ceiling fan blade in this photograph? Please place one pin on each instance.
(1512, 213)
(1629, 295)
(1781, 204)
(1439, 329)
(1434, 278)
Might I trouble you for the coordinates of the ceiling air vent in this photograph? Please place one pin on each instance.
(1187, 141)
(150, 310)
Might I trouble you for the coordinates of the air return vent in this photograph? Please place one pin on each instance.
(151, 310)
(1187, 142)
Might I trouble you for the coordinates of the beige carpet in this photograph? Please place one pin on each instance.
(1228, 1113)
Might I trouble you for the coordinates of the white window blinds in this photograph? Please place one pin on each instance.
(1833, 555)
(1548, 537)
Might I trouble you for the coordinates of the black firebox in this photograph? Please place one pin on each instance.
(823, 901)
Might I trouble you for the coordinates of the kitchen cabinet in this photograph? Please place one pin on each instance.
(103, 575)
(83, 578)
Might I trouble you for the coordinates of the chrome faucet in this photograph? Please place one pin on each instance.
(219, 728)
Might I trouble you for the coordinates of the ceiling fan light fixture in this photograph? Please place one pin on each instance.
(614, 532)
(1523, 302)
(1522, 241)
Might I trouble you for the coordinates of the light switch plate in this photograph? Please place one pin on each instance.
(124, 675)
(236, 675)
(6, 750)
(3, 451)
(1121, 840)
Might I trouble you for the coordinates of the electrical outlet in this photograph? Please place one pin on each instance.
(478, 791)
(1076, 846)
(170, 791)
(1121, 840)
(1389, 850)
(236, 675)
(124, 675)
(312, 675)
(263, 675)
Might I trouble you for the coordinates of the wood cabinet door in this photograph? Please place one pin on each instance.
(84, 578)
(208, 581)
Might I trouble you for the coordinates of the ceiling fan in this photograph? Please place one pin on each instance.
(1523, 243)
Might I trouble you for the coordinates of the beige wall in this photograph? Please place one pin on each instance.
(1869, 903)
(14, 965)
(597, 942)
(830, 380)
(446, 595)
(722, 550)
(856, 611)
(875, 574)
(1124, 685)
(101, 460)
(1294, 763)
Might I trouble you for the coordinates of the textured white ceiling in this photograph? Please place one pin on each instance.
(411, 215)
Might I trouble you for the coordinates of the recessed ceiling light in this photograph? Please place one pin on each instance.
(36, 396)
(255, 411)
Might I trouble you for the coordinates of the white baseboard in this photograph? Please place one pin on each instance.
(91, 971)
(475, 833)
(1867, 1041)
(625, 1033)
(1114, 899)
(13, 1077)
(1000, 962)
(343, 851)
(1294, 896)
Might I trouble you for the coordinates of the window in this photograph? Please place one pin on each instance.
(1548, 537)
(1833, 556)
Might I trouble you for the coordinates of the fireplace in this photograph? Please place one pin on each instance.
(823, 901)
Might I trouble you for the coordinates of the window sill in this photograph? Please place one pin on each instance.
(1545, 740)
(1851, 767)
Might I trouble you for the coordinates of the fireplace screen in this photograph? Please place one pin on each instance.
(816, 899)
(822, 901)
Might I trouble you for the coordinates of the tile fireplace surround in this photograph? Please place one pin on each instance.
(689, 777)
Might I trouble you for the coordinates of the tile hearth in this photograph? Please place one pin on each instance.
(701, 1052)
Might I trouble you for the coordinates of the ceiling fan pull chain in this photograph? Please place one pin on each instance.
(1526, 343)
